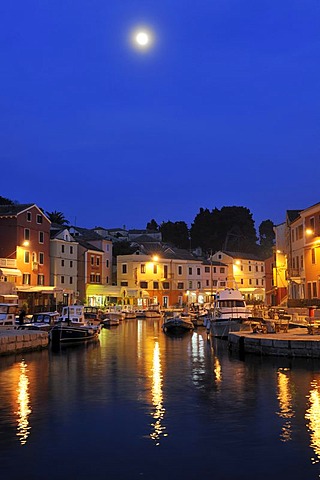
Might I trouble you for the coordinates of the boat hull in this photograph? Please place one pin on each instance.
(177, 326)
(222, 328)
(61, 334)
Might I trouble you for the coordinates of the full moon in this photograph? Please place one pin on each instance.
(142, 38)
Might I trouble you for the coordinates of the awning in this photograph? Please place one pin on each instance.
(13, 272)
(38, 289)
(104, 290)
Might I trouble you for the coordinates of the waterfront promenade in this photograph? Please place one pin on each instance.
(19, 341)
(296, 342)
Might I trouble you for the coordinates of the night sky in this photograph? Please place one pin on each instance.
(223, 109)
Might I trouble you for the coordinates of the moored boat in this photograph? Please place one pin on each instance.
(43, 321)
(72, 327)
(8, 312)
(178, 324)
(153, 311)
(230, 314)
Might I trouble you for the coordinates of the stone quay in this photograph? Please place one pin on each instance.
(20, 341)
(296, 342)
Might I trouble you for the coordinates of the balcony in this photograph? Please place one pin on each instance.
(8, 263)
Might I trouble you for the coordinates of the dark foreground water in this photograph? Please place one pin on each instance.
(141, 405)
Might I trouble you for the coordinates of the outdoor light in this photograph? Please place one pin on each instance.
(309, 231)
(26, 243)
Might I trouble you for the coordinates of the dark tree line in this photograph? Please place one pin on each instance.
(229, 229)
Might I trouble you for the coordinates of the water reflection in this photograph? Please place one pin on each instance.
(157, 397)
(313, 417)
(285, 403)
(24, 410)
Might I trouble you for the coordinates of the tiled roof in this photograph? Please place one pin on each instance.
(10, 210)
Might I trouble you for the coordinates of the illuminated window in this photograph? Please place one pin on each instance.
(40, 279)
(26, 279)
(142, 268)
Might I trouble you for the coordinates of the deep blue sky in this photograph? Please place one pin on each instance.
(223, 110)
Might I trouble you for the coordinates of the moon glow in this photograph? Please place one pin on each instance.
(142, 38)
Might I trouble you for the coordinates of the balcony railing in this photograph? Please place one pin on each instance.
(8, 262)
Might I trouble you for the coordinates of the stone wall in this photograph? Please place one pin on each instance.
(15, 341)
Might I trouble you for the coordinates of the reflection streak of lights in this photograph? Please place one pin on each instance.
(24, 410)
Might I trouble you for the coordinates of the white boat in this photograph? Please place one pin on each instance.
(129, 313)
(42, 321)
(114, 313)
(230, 314)
(8, 312)
(153, 311)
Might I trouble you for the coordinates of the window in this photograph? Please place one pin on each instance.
(29, 217)
(190, 284)
(98, 261)
(26, 279)
(62, 263)
(71, 250)
(198, 271)
(62, 248)
(312, 224)
(199, 285)
(98, 278)
(41, 237)
(40, 279)
(165, 285)
(27, 234)
(124, 268)
(250, 281)
(143, 268)
(156, 285)
(214, 270)
(124, 284)
(71, 280)
(241, 281)
(39, 220)
(92, 260)
(143, 284)
(301, 261)
(222, 270)
(314, 289)
(180, 285)
(155, 268)
(257, 269)
(41, 258)
(179, 270)
(165, 271)
(92, 278)
(207, 269)
(26, 257)
(190, 270)
(107, 263)
(313, 256)
(71, 263)
(62, 278)
(257, 281)
(262, 268)
(249, 268)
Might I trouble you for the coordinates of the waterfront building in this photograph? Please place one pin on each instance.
(25, 255)
(64, 265)
(245, 272)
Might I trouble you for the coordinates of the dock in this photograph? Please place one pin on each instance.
(296, 342)
(20, 341)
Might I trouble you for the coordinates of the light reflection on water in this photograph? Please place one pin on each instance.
(285, 403)
(157, 397)
(137, 389)
(313, 417)
(23, 401)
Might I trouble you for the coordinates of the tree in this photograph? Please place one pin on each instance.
(6, 201)
(266, 237)
(123, 248)
(176, 233)
(57, 217)
(153, 226)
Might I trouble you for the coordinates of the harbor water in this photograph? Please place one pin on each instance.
(139, 404)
